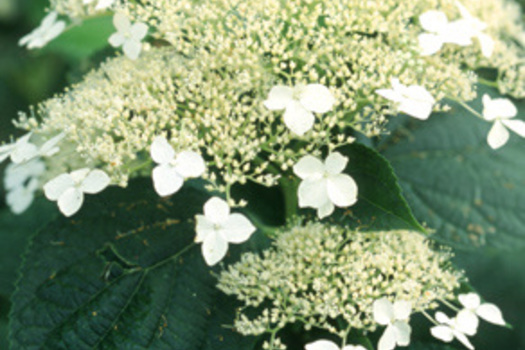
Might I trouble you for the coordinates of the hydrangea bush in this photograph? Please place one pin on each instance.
(271, 175)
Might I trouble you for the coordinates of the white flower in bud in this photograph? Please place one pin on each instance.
(330, 345)
(395, 317)
(473, 306)
(173, 169)
(500, 111)
(68, 189)
(48, 30)
(413, 100)
(217, 228)
(324, 185)
(458, 327)
(299, 103)
(128, 36)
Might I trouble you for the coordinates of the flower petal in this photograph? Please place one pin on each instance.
(189, 164)
(322, 345)
(116, 39)
(214, 248)
(444, 333)
(23, 152)
(388, 339)
(491, 313)
(390, 94)
(442, 318)
(469, 300)
(138, 31)
(316, 98)
(166, 180)
(79, 175)
(20, 199)
(96, 181)
(516, 125)
(498, 135)
(402, 309)
(132, 49)
(498, 108)
(203, 228)
(104, 4)
(487, 44)
(467, 322)
(312, 193)
(335, 163)
(383, 311)
(342, 190)
(70, 201)
(325, 210)
(354, 347)
(217, 210)
(57, 186)
(161, 151)
(49, 148)
(463, 339)
(418, 102)
(309, 167)
(54, 31)
(297, 118)
(121, 23)
(237, 228)
(279, 97)
(403, 331)
(429, 44)
(433, 21)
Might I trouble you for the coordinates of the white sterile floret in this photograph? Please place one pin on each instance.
(299, 102)
(330, 345)
(413, 100)
(22, 150)
(68, 189)
(21, 182)
(439, 32)
(48, 30)
(128, 36)
(101, 4)
(500, 111)
(458, 327)
(395, 317)
(217, 228)
(324, 185)
(168, 176)
(487, 311)
(475, 27)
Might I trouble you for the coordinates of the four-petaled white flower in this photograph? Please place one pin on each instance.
(172, 169)
(22, 150)
(330, 345)
(458, 327)
(440, 32)
(128, 36)
(101, 4)
(324, 185)
(474, 27)
(413, 100)
(68, 189)
(21, 182)
(395, 317)
(500, 111)
(48, 30)
(487, 311)
(299, 102)
(217, 228)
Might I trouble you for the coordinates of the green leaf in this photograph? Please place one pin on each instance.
(83, 40)
(430, 346)
(380, 202)
(15, 231)
(457, 184)
(124, 273)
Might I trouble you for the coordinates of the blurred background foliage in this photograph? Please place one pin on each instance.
(27, 77)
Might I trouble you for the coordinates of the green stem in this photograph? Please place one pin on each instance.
(466, 106)
(289, 190)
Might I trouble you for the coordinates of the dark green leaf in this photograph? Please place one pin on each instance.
(124, 273)
(83, 40)
(430, 346)
(380, 204)
(15, 231)
(459, 186)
